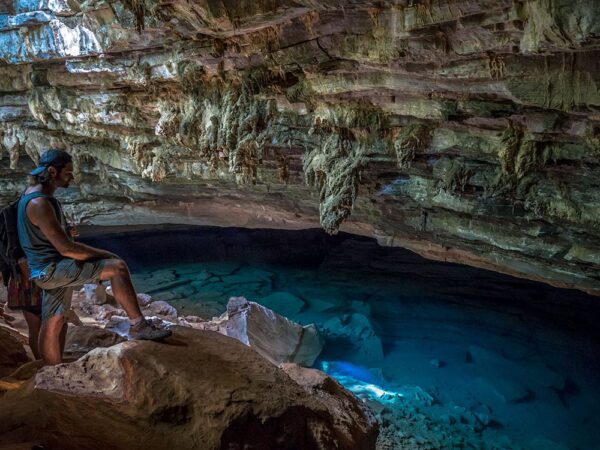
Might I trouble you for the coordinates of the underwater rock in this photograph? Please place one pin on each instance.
(508, 390)
(416, 395)
(361, 307)
(157, 281)
(511, 380)
(283, 303)
(482, 412)
(197, 389)
(541, 443)
(322, 305)
(436, 362)
(355, 331)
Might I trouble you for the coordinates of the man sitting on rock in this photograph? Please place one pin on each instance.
(57, 263)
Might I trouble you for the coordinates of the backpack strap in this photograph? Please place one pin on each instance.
(10, 249)
(5, 270)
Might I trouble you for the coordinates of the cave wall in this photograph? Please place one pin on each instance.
(465, 130)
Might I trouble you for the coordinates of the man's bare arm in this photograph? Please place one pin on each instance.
(41, 214)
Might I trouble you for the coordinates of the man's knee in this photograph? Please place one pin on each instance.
(120, 266)
(115, 267)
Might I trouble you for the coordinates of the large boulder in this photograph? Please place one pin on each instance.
(82, 339)
(273, 336)
(199, 390)
(12, 350)
(353, 416)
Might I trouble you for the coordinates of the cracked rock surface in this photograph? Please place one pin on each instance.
(467, 131)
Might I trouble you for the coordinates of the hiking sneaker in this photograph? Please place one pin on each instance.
(147, 331)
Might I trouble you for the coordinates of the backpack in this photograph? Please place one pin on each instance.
(10, 248)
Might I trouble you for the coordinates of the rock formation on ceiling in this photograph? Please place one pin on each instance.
(465, 130)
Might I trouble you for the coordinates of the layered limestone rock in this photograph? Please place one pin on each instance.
(465, 130)
(198, 390)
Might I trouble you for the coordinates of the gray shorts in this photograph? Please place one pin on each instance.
(59, 280)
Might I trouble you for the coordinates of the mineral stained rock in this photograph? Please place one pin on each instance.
(198, 390)
(465, 130)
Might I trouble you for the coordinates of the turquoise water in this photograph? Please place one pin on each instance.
(449, 356)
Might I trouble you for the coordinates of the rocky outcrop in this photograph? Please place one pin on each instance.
(275, 337)
(83, 339)
(353, 416)
(12, 350)
(197, 390)
(465, 130)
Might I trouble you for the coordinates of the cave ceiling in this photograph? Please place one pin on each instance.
(468, 131)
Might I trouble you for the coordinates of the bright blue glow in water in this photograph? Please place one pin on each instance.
(342, 368)
(450, 355)
(358, 380)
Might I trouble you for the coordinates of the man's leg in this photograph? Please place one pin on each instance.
(117, 272)
(62, 339)
(49, 343)
(68, 273)
(34, 322)
(55, 303)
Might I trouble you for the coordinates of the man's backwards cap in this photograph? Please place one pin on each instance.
(52, 157)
